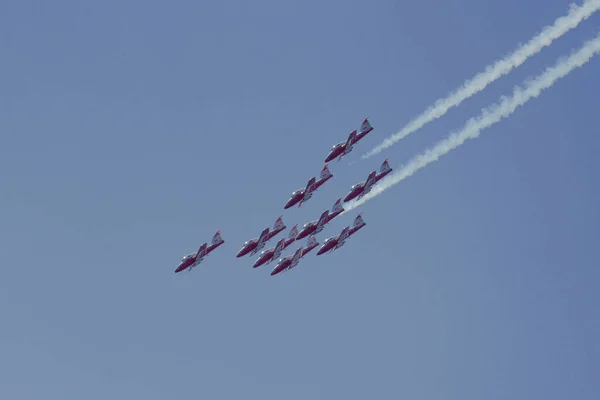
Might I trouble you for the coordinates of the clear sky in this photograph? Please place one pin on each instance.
(131, 131)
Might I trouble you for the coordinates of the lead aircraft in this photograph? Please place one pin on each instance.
(335, 242)
(255, 245)
(193, 259)
(343, 148)
(302, 195)
(362, 188)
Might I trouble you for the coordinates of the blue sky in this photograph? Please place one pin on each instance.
(131, 132)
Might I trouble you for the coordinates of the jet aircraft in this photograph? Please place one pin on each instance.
(193, 259)
(255, 245)
(289, 262)
(266, 256)
(317, 226)
(343, 148)
(362, 188)
(302, 195)
(335, 242)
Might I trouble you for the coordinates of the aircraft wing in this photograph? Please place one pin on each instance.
(309, 188)
(322, 221)
(349, 142)
(368, 184)
(201, 252)
(296, 258)
(342, 238)
(262, 239)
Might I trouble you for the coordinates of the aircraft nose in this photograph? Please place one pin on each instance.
(278, 268)
(241, 252)
(302, 234)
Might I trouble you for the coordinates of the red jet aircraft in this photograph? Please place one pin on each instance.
(255, 245)
(314, 227)
(335, 242)
(290, 262)
(361, 189)
(343, 148)
(193, 259)
(302, 195)
(266, 256)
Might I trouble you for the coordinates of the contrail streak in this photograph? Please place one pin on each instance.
(487, 118)
(493, 72)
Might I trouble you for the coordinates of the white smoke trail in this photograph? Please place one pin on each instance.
(488, 117)
(493, 72)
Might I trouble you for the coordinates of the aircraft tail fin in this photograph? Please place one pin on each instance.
(337, 206)
(358, 222)
(325, 173)
(385, 167)
(293, 232)
(311, 243)
(217, 239)
(279, 225)
(366, 126)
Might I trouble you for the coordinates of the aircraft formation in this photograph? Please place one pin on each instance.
(309, 230)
